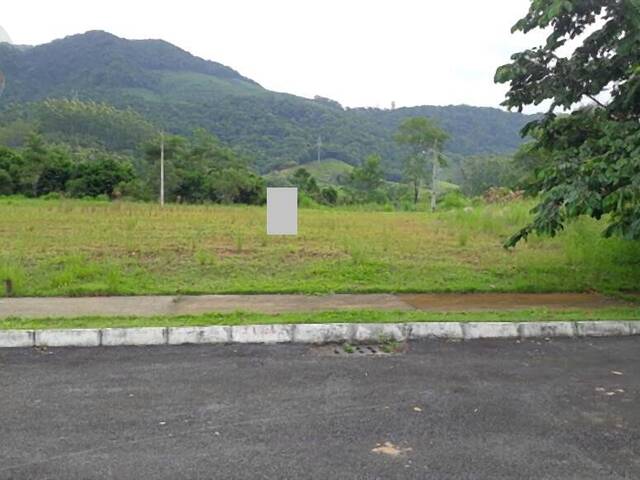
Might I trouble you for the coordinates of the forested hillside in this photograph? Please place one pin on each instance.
(175, 91)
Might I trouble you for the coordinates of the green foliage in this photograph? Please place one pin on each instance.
(590, 159)
(11, 165)
(453, 199)
(326, 172)
(365, 182)
(92, 124)
(202, 169)
(6, 183)
(329, 195)
(99, 176)
(305, 182)
(423, 136)
(308, 187)
(54, 176)
(481, 173)
(199, 169)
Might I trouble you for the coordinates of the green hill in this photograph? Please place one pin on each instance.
(180, 92)
(326, 172)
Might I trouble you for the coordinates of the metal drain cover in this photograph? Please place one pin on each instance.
(359, 350)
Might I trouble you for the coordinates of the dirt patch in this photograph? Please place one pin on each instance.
(391, 450)
(452, 302)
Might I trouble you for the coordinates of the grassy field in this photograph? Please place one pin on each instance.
(361, 316)
(85, 248)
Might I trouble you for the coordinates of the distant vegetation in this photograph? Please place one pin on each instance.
(73, 148)
(180, 93)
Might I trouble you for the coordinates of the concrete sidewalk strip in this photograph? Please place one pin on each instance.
(134, 336)
(312, 333)
(67, 338)
(198, 335)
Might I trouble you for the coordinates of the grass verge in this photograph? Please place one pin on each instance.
(356, 316)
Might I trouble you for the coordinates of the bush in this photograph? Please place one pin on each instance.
(454, 199)
(53, 177)
(329, 195)
(6, 183)
(99, 177)
(53, 196)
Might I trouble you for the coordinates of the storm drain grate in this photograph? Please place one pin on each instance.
(360, 350)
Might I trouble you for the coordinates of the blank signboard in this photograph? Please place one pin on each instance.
(282, 211)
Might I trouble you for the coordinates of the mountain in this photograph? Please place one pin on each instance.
(180, 92)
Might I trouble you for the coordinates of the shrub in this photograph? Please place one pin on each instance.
(454, 199)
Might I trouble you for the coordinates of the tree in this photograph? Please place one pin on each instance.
(100, 176)
(54, 176)
(11, 166)
(481, 173)
(302, 179)
(366, 180)
(591, 156)
(422, 135)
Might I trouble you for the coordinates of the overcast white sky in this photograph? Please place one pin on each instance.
(359, 52)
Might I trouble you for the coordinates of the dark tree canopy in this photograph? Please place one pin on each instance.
(592, 154)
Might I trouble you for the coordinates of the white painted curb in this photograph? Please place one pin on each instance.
(67, 338)
(115, 337)
(16, 338)
(262, 334)
(198, 335)
(603, 329)
(313, 333)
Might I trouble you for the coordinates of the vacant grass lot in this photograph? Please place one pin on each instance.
(65, 247)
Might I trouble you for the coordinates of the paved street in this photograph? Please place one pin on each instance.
(564, 409)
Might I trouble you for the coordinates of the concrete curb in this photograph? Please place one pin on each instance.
(313, 333)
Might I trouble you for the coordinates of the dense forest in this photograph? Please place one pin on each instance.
(179, 93)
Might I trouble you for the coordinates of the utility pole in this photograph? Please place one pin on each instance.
(434, 177)
(162, 169)
(319, 146)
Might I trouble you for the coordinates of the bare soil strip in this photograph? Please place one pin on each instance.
(272, 304)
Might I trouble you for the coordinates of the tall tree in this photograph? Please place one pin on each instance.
(365, 180)
(592, 155)
(423, 136)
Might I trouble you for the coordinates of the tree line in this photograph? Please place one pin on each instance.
(87, 149)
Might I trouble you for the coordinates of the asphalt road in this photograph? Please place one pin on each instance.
(565, 409)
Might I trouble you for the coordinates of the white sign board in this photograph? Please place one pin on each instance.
(282, 211)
